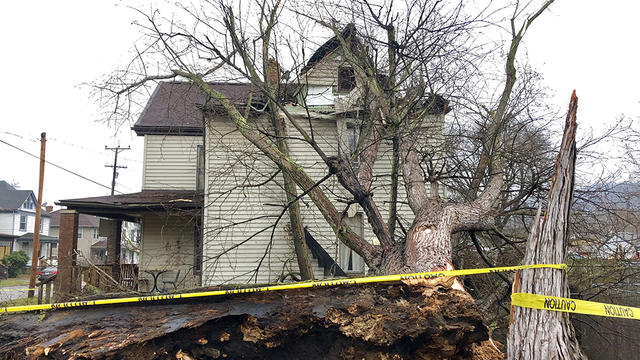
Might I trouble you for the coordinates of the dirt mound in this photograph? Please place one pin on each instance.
(376, 321)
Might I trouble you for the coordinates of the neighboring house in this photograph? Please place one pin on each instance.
(88, 227)
(90, 242)
(202, 216)
(18, 217)
(128, 253)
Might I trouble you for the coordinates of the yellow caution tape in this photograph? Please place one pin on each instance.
(298, 285)
(25, 289)
(543, 302)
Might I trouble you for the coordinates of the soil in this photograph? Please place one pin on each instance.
(375, 321)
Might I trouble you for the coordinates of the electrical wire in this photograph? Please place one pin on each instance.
(60, 167)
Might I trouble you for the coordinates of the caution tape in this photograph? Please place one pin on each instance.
(298, 285)
(542, 302)
(25, 289)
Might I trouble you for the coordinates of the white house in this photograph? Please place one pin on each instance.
(18, 218)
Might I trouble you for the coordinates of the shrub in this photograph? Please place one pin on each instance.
(16, 262)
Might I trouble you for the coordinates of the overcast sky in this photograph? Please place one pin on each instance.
(49, 48)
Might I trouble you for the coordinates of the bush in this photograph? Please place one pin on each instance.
(16, 262)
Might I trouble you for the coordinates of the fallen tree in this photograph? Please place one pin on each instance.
(375, 321)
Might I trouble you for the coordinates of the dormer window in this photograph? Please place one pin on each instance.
(346, 79)
(28, 204)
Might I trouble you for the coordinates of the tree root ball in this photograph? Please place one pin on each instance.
(375, 321)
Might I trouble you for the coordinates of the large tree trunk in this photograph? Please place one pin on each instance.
(543, 334)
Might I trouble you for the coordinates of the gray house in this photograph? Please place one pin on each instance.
(17, 218)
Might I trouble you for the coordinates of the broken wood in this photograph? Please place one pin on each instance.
(542, 334)
(394, 321)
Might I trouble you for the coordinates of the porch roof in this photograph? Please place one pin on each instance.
(43, 238)
(130, 207)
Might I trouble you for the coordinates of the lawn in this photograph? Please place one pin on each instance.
(22, 279)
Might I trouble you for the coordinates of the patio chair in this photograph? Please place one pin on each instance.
(173, 282)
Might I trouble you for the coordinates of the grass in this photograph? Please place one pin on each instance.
(22, 279)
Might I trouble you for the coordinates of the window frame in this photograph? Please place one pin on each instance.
(341, 88)
(25, 222)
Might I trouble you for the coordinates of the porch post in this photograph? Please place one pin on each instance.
(112, 229)
(65, 282)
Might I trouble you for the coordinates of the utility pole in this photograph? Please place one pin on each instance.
(35, 254)
(115, 165)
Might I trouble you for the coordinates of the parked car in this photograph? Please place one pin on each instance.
(47, 274)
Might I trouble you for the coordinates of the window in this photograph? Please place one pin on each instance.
(28, 204)
(41, 225)
(95, 233)
(349, 261)
(346, 79)
(23, 223)
(200, 168)
(79, 232)
(352, 139)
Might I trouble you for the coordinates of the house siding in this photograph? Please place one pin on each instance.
(238, 215)
(7, 223)
(167, 243)
(170, 162)
(84, 242)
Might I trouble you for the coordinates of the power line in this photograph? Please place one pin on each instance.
(60, 140)
(58, 166)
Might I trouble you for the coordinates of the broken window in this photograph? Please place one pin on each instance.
(346, 79)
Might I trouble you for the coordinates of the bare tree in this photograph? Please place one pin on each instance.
(402, 59)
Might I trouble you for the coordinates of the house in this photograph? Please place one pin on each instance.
(88, 227)
(17, 221)
(202, 215)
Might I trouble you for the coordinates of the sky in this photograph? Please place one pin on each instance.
(49, 49)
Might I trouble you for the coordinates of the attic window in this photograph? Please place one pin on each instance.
(346, 79)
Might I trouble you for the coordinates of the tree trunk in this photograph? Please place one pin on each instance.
(297, 231)
(543, 334)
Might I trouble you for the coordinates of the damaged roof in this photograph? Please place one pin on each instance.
(143, 199)
(131, 207)
(175, 108)
(328, 47)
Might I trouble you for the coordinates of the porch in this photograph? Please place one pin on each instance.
(169, 249)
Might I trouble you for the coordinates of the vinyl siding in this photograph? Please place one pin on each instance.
(6, 223)
(167, 243)
(84, 242)
(238, 214)
(170, 162)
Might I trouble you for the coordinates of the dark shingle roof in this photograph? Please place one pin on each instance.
(175, 107)
(10, 198)
(43, 238)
